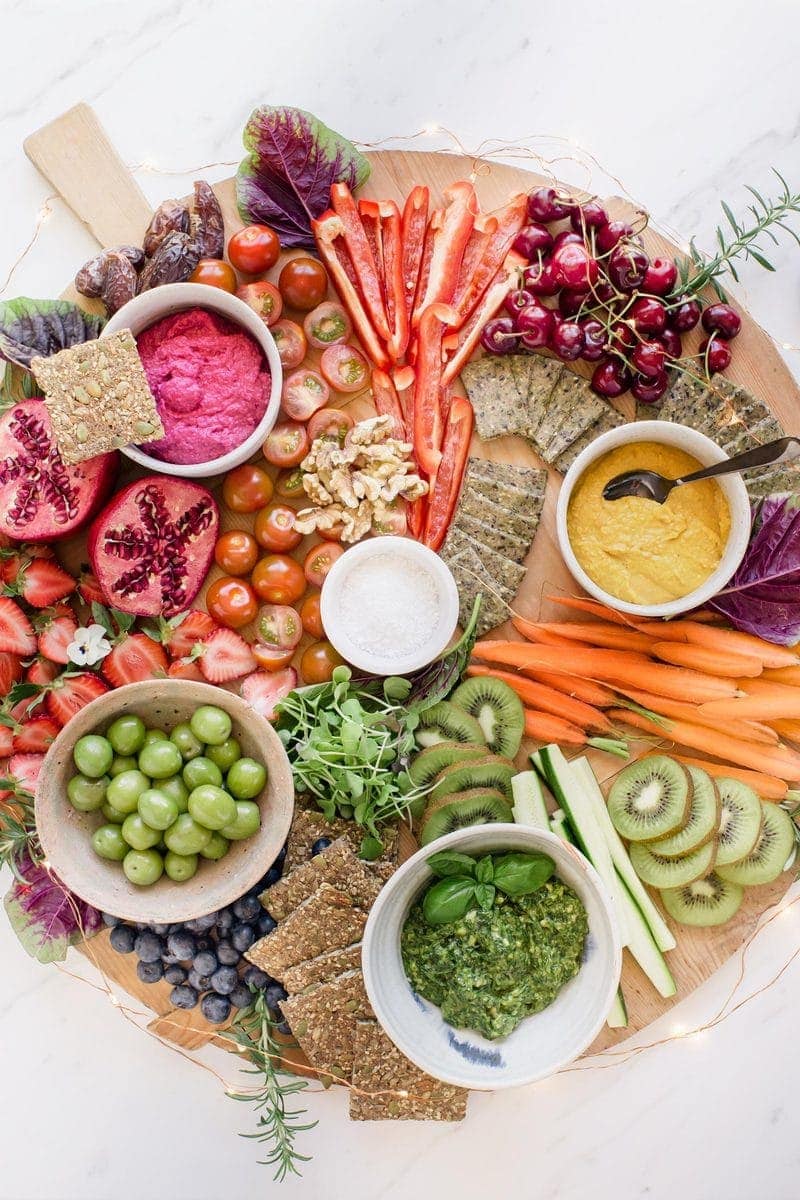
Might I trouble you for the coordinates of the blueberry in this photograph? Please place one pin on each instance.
(183, 996)
(203, 943)
(161, 930)
(283, 1027)
(149, 972)
(175, 974)
(224, 921)
(224, 980)
(281, 855)
(123, 939)
(243, 936)
(241, 996)
(227, 954)
(169, 960)
(182, 944)
(274, 994)
(215, 1008)
(266, 923)
(247, 908)
(200, 983)
(272, 876)
(110, 919)
(205, 963)
(319, 845)
(255, 977)
(149, 947)
(202, 924)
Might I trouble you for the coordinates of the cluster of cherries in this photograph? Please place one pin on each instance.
(612, 304)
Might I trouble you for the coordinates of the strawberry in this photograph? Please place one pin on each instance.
(41, 672)
(10, 672)
(185, 668)
(56, 629)
(35, 735)
(225, 656)
(88, 588)
(263, 690)
(136, 656)
(6, 741)
(16, 631)
(70, 693)
(39, 581)
(25, 769)
(181, 637)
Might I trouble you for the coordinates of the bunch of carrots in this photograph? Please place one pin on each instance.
(690, 682)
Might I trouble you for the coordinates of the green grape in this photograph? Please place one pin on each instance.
(160, 759)
(189, 746)
(124, 790)
(180, 867)
(246, 779)
(199, 771)
(108, 842)
(211, 725)
(126, 734)
(87, 795)
(93, 755)
(143, 867)
(138, 835)
(225, 755)
(246, 822)
(157, 810)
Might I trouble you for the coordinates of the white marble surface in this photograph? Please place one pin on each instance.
(683, 102)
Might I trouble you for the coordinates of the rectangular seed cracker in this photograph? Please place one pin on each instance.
(497, 537)
(492, 392)
(609, 419)
(322, 968)
(520, 520)
(323, 1021)
(309, 824)
(327, 920)
(546, 374)
(570, 411)
(506, 573)
(380, 1068)
(471, 578)
(336, 865)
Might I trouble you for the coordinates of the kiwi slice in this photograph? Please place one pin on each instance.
(650, 799)
(476, 806)
(482, 794)
(446, 722)
(663, 872)
(498, 710)
(433, 759)
(491, 771)
(702, 823)
(704, 902)
(767, 859)
(740, 821)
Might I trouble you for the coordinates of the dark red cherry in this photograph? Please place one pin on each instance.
(590, 215)
(540, 279)
(623, 335)
(649, 359)
(671, 341)
(683, 315)
(570, 301)
(499, 336)
(594, 339)
(721, 319)
(627, 266)
(533, 239)
(717, 354)
(610, 379)
(603, 291)
(647, 390)
(566, 237)
(535, 323)
(608, 235)
(545, 204)
(648, 315)
(517, 299)
(661, 276)
(572, 265)
(566, 340)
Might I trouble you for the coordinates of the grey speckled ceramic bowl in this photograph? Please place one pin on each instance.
(541, 1044)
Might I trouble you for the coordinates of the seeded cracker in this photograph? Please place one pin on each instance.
(323, 1021)
(546, 374)
(308, 825)
(327, 920)
(571, 410)
(608, 419)
(98, 397)
(380, 1067)
(493, 395)
(520, 520)
(505, 572)
(521, 368)
(482, 471)
(337, 865)
(322, 968)
(498, 538)
(472, 578)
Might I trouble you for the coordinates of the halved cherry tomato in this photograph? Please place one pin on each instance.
(287, 445)
(247, 488)
(319, 662)
(303, 283)
(319, 561)
(344, 368)
(278, 579)
(274, 528)
(395, 520)
(279, 626)
(303, 392)
(269, 659)
(236, 552)
(327, 325)
(264, 299)
(289, 484)
(290, 342)
(254, 249)
(333, 533)
(213, 272)
(231, 602)
(311, 617)
(332, 424)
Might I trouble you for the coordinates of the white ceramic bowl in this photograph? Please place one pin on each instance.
(141, 312)
(415, 556)
(706, 452)
(541, 1044)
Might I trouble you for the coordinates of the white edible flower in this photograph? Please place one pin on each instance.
(89, 646)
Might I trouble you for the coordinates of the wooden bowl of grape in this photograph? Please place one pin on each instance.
(164, 801)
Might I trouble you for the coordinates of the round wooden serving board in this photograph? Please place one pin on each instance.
(77, 157)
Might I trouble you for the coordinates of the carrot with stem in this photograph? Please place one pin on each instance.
(544, 727)
(702, 658)
(596, 633)
(586, 690)
(679, 711)
(593, 607)
(726, 641)
(539, 696)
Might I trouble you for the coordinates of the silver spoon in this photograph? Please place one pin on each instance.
(652, 486)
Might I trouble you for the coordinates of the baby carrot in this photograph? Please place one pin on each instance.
(787, 729)
(551, 701)
(769, 787)
(701, 658)
(763, 701)
(790, 675)
(596, 633)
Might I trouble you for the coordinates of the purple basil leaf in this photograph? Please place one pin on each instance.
(763, 597)
(39, 328)
(292, 160)
(45, 916)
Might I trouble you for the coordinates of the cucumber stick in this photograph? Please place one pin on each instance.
(560, 826)
(658, 927)
(618, 1016)
(529, 807)
(643, 947)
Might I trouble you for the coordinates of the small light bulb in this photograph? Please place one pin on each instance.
(677, 1030)
(432, 128)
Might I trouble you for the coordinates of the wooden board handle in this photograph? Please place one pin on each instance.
(75, 154)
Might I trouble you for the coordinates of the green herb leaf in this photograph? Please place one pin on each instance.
(448, 900)
(449, 862)
(485, 894)
(520, 874)
(484, 869)
(371, 848)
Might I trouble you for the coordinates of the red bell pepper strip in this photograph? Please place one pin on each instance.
(329, 234)
(428, 426)
(369, 211)
(391, 239)
(361, 256)
(417, 516)
(403, 377)
(434, 225)
(469, 334)
(476, 247)
(387, 403)
(449, 243)
(444, 496)
(471, 288)
(414, 224)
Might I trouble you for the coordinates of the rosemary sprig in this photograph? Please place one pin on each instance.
(745, 241)
(18, 838)
(278, 1124)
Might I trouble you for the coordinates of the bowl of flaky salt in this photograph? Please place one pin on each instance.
(389, 605)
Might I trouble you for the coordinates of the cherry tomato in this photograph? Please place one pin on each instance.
(274, 528)
(231, 602)
(332, 424)
(319, 561)
(327, 324)
(311, 617)
(213, 272)
(303, 393)
(333, 533)
(264, 299)
(279, 626)
(344, 368)
(395, 521)
(270, 659)
(319, 662)
(289, 484)
(246, 489)
(236, 552)
(254, 249)
(287, 445)
(290, 342)
(278, 579)
(303, 283)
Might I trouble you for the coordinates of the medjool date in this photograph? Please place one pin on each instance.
(90, 279)
(120, 283)
(173, 261)
(206, 223)
(171, 216)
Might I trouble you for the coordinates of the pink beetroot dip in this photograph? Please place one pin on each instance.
(211, 383)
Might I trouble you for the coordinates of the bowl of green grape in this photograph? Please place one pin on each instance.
(164, 800)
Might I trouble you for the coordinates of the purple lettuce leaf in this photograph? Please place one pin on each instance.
(763, 597)
(292, 160)
(39, 328)
(45, 916)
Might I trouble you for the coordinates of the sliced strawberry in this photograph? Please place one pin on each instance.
(134, 658)
(182, 637)
(25, 769)
(10, 672)
(225, 656)
(6, 741)
(88, 588)
(16, 631)
(40, 582)
(26, 707)
(70, 693)
(35, 736)
(263, 690)
(41, 671)
(185, 668)
(56, 629)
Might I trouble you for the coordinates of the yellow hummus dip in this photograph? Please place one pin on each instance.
(640, 551)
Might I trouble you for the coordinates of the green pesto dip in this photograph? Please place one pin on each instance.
(487, 971)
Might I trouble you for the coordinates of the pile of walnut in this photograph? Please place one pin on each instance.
(357, 486)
